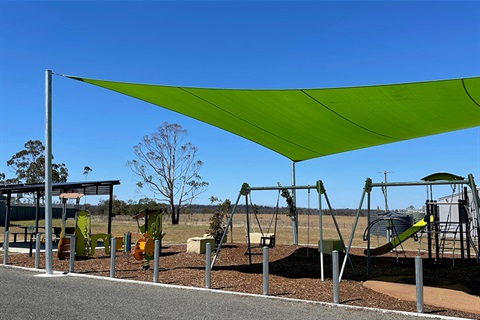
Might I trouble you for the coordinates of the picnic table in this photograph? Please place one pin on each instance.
(27, 231)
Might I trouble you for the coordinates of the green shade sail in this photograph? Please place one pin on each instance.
(303, 124)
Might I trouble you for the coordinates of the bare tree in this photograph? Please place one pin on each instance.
(167, 166)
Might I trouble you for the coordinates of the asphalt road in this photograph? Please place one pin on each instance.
(26, 294)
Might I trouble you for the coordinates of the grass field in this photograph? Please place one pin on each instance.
(194, 225)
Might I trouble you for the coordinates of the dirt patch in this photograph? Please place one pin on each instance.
(294, 273)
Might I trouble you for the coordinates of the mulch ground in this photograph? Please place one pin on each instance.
(294, 273)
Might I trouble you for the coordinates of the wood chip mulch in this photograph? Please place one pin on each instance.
(294, 273)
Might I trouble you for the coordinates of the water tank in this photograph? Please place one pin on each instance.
(398, 223)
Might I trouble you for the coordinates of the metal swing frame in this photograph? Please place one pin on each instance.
(367, 189)
(318, 186)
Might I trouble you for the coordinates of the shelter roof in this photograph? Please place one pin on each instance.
(303, 124)
(86, 188)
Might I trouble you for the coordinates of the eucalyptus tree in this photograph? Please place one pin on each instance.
(29, 165)
(167, 166)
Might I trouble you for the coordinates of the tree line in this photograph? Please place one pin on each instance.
(165, 163)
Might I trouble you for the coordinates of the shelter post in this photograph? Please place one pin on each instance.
(110, 206)
(7, 213)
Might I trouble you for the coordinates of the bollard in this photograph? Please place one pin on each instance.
(113, 251)
(265, 271)
(37, 250)
(419, 283)
(5, 247)
(335, 276)
(72, 253)
(156, 259)
(208, 261)
(127, 245)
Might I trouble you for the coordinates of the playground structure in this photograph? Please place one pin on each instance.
(150, 230)
(85, 241)
(267, 238)
(466, 227)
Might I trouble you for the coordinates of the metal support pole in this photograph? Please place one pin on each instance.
(208, 261)
(48, 173)
(265, 270)
(320, 224)
(295, 217)
(367, 188)
(229, 223)
(37, 250)
(72, 253)
(113, 251)
(335, 276)
(419, 283)
(110, 214)
(127, 245)
(368, 233)
(156, 260)
(5, 247)
(247, 215)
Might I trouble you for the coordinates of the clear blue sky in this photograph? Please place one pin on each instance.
(231, 45)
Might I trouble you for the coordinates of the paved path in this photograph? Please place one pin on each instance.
(27, 294)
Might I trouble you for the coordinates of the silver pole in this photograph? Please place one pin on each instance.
(113, 251)
(156, 260)
(208, 261)
(335, 277)
(265, 270)
(48, 172)
(72, 253)
(295, 217)
(366, 189)
(5, 247)
(419, 283)
(229, 223)
(320, 227)
(37, 251)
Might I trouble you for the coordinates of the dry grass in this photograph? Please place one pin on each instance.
(194, 225)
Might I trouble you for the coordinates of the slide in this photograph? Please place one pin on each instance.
(400, 239)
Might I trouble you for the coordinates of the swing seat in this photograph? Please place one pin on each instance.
(265, 239)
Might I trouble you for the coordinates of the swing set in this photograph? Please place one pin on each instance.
(267, 238)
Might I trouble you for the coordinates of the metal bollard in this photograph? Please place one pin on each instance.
(5, 247)
(265, 271)
(208, 261)
(419, 283)
(72, 253)
(156, 259)
(37, 250)
(127, 245)
(335, 276)
(113, 251)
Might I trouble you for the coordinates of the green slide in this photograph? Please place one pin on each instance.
(400, 239)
